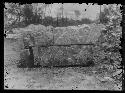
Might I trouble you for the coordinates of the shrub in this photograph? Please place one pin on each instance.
(106, 51)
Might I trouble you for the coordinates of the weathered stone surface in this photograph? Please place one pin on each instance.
(41, 35)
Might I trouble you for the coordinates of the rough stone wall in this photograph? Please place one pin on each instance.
(41, 35)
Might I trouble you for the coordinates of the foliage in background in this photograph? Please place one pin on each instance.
(16, 15)
(106, 51)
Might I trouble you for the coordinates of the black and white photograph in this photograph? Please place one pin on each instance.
(62, 46)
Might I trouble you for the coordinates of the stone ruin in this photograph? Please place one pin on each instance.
(38, 36)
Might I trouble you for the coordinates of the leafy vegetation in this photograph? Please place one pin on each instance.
(17, 15)
(106, 51)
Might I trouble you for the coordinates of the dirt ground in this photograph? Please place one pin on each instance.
(46, 78)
